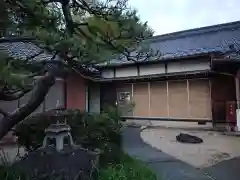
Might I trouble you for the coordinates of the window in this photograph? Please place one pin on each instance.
(124, 97)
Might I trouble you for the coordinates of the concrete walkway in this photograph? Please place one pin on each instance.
(169, 168)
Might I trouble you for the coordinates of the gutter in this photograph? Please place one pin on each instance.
(86, 77)
(165, 75)
(206, 72)
(156, 61)
(166, 119)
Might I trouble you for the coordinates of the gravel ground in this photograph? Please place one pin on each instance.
(165, 166)
(214, 149)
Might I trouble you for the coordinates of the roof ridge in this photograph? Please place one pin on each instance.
(195, 31)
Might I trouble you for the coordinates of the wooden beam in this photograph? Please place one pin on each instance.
(165, 119)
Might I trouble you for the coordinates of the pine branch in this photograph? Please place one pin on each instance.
(37, 97)
(12, 96)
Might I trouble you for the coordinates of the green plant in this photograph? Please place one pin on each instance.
(92, 131)
(127, 169)
(9, 173)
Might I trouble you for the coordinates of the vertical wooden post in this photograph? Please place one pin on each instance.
(132, 98)
(149, 99)
(188, 94)
(168, 100)
(237, 90)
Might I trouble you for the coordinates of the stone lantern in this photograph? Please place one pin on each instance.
(58, 131)
(60, 162)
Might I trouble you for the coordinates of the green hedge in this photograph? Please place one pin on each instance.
(90, 130)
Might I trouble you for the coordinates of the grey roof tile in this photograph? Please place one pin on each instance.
(175, 45)
(24, 50)
(195, 41)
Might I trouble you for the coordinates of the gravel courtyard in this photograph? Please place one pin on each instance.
(214, 149)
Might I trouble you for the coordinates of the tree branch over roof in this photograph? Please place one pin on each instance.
(12, 96)
(115, 12)
(38, 95)
(76, 33)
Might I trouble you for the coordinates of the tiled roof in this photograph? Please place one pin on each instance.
(24, 50)
(204, 40)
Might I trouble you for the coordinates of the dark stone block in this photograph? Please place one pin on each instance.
(186, 138)
(69, 164)
(201, 122)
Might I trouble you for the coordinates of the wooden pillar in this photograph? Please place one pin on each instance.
(237, 99)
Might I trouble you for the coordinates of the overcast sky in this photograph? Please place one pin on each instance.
(165, 16)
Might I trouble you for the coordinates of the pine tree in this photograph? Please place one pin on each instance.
(78, 33)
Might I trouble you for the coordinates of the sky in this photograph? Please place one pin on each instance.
(166, 16)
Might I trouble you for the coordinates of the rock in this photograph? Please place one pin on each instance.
(69, 164)
(186, 138)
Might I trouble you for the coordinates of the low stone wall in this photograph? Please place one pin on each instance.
(168, 124)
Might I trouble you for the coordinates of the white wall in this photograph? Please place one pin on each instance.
(151, 69)
(187, 66)
(126, 72)
(9, 106)
(55, 96)
(107, 73)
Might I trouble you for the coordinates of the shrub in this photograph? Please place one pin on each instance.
(90, 130)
